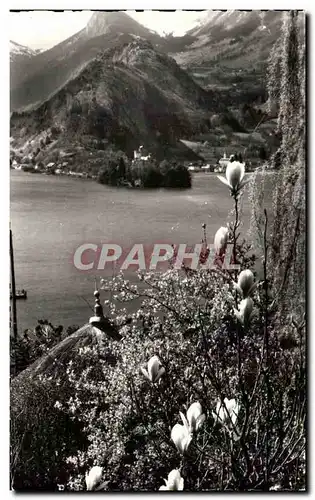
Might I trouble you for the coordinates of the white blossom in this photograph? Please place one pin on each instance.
(276, 487)
(194, 417)
(181, 437)
(244, 311)
(227, 412)
(93, 477)
(221, 239)
(234, 175)
(245, 284)
(155, 369)
(174, 482)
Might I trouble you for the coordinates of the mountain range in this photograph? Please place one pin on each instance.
(20, 52)
(118, 81)
(216, 51)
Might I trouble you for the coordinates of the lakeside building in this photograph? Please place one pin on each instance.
(140, 154)
(223, 162)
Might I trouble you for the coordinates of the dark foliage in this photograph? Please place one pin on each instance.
(33, 344)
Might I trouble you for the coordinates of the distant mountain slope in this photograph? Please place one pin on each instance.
(38, 78)
(226, 49)
(18, 51)
(102, 23)
(20, 56)
(230, 51)
(128, 95)
(232, 37)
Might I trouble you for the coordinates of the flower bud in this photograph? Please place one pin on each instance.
(234, 174)
(154, 371)
(195, 417)
(244, 311)
(174, 482)
(221, 239)
(93, 477)
(245, 282)
(181, 437)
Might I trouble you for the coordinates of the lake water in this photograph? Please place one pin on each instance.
(52, 215)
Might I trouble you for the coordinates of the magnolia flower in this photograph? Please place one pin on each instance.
(221, 239)
(227, 412)
(234, 174)
(277, 487)
(155, 370)
(245, 284)
(174, 482)
(195, 417)
(245, 310)
(93, 477)
(181, 437)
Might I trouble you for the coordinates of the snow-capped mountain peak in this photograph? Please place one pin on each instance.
(17, 50)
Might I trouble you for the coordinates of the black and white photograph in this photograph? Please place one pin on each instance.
(157, 250)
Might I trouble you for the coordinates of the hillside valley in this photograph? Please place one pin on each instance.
(126, 96)
(229, 51)
(117, 84)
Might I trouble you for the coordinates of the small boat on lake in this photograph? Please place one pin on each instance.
(19, 294)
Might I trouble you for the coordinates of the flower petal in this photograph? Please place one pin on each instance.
(234, 173)
(193, 412)
(184, 420)
(242, 166)
(181, 437)
(145, 373)
(173, 478)
(245, 281)
(180, 485)
(252, 288)
(200, 420)
(160, 373)
(238, 315)
(153, 367)
(223, 179)
(93, 477)
(221, 238)
(237, 288)
(243, 184)
(177, 435)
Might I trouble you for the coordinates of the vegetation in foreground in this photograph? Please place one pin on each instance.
(206, 390)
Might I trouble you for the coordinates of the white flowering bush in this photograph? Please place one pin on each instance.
(201, 383)
(202, 389)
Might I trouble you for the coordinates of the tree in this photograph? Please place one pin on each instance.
(32, 344)
(113, 172)
(178, 176)
(121, 169)
(262, 153)
(286, 88)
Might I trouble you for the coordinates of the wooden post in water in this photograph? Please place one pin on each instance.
(13, 291)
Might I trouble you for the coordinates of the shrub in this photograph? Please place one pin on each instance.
(177, 176)
(33, 344)
(40, 435)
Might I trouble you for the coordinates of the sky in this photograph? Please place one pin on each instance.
(44, 29)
